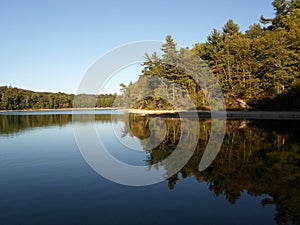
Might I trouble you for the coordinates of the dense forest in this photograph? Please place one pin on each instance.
(19, 99)
(256, 69)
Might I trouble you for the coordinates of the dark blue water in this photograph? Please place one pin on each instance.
(45, 180)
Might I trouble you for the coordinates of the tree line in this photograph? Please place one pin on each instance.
(12, 98)
(252, 67)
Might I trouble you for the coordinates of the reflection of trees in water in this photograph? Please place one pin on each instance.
(257, 157)
(10, 124)
(252, 158)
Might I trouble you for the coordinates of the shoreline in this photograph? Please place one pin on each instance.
(154, 111)
(229, 115)
(62, 109)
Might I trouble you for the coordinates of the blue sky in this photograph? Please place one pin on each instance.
(49, 45)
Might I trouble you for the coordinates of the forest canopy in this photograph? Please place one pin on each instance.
(258, 68)
(19, 99)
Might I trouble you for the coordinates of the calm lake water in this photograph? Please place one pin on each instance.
(45, 180)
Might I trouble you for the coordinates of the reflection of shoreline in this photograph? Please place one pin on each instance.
(14, 123)
(259, 115)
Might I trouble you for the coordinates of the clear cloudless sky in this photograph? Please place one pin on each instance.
(48, 45)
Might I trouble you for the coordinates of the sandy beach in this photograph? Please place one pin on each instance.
(259, 115)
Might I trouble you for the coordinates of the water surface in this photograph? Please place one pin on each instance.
(45, 180)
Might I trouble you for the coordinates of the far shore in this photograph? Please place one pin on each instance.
(62, 109)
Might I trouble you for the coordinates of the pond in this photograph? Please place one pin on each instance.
(45, 178)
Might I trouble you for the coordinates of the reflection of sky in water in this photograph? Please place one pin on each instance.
(126, 149)
(125, 138)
